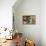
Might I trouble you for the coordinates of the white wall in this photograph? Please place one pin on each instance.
(36, 32)
(6, 13)
(28, 7)
(43, 22)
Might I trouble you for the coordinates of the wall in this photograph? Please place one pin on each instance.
(43, 22)
(28, 7)
(6, 16)
(6, 13)
(36, 32)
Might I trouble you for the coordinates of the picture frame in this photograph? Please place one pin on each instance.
(29, 19)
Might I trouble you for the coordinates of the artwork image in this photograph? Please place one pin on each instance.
(29, 19)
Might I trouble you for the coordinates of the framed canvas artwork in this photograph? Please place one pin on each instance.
(29, 19)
